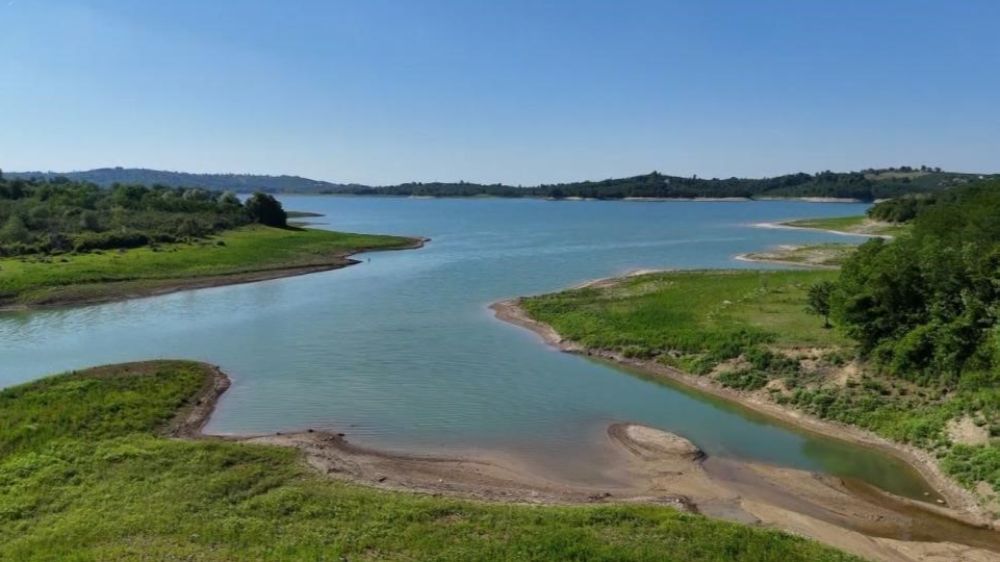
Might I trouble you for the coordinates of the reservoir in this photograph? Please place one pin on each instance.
(401, 352)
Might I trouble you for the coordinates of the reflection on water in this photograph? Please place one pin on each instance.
(401, 352)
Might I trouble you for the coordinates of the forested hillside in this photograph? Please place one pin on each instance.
(867, 185)
(925, 306)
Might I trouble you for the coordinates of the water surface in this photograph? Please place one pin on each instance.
(402, 352)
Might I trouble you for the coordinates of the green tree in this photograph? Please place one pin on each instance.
(15, 231)
(266, 210)
(90, 221)
(818, 300)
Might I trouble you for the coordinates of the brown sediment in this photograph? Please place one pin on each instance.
(810, 257)
(963, 510)
(953, 493)
(654, 467)
(751, 257)
(786, 225)
(114, 291)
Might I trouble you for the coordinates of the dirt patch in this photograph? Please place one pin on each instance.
(964, 431)
(821, 256)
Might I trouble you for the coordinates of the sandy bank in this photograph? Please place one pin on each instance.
(753, 258)
(786, 226)
(813, 256)
(652, 466)
(963, 509)
(956, 496)
(126, 290)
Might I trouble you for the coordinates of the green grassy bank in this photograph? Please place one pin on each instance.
(86, 475)
(95, 276)
(749, 330)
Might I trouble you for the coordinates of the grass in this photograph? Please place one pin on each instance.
(690, 312)
(75, 277)
(855, 225)
(749, 329)
(84, 475)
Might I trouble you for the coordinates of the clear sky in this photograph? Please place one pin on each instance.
(529, 91)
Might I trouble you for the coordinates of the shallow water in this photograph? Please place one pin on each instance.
(402, 352)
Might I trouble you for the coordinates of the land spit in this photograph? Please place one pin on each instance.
(114, 291)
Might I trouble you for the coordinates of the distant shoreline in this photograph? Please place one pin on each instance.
(576, 198)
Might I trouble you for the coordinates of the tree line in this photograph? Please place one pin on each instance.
(60, 215)
(924, 307)
(866, 185)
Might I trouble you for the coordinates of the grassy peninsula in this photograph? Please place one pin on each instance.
(63, 242)
(87, 473)
(913, 353)
(247, 253)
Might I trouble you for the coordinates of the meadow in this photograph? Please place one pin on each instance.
(103, 275)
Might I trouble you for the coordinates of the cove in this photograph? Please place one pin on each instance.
(401, 352)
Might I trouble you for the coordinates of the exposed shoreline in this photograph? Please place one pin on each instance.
(923, 462)
(748, 257)
(785, 226)
(655, 467)
(808, 256)
(115, 291)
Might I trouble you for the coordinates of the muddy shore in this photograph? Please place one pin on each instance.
(961, 505)
(786, 226)
(953, 493)
(653, 467)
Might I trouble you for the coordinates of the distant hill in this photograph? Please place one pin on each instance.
(865, 185)
(222, 182)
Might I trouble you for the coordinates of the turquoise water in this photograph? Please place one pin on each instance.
(402, 352)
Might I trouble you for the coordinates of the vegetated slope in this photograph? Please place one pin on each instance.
(85, 475)
(867, 185)
(924, 311)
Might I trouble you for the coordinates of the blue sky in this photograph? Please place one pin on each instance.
(522, 92)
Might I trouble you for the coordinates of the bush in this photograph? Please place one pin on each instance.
(109, 241)
(265, 209)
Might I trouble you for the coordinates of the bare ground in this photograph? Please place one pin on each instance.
(655, 467)
(851, 515)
